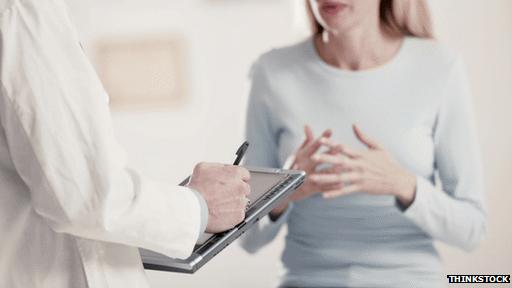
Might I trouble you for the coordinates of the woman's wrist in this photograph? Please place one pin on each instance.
(406, 191)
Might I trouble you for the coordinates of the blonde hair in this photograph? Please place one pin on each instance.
(405, 17)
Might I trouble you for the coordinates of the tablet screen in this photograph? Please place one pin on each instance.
(261, 182)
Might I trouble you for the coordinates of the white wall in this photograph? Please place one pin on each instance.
(481, 31)
(223, 38)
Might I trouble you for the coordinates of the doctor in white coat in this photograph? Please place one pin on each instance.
(71, 210)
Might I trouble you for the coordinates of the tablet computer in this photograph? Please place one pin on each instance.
(268, 187)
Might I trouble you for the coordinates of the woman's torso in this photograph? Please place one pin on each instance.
(359, 239)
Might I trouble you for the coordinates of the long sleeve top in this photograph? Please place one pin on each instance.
(418, 107)
(72, 211)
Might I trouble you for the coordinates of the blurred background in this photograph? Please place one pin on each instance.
(176, 71)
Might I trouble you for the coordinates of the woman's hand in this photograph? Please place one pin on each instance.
(304, 161)
(373, 171)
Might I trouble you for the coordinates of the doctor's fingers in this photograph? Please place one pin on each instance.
(241, 189)
(236, 172)
(236, 189)
(243, 173)
(220, 171)
(233, 201)
(231, 213)
(245, 188)
(229, 200)
(206, 168)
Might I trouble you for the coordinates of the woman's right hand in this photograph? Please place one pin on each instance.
(304, 161)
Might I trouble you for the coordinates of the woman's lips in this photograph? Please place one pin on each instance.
(332, 8)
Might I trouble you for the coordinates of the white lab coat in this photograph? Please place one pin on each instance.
(70, 208)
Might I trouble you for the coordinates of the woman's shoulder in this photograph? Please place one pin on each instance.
(431, 52)
(285, 57)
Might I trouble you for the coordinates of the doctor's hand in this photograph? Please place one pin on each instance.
(373, 171)
(304, 160)
(225, 189)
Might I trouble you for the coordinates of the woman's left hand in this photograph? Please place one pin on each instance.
(373, 171)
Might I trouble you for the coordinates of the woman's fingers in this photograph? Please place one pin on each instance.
(312, 147)
(309, 135)
(332, 169)
(336, 159)
(335, 147)
(364, 138)
(322, 179)
(345, 190)
(327, 133)
(319, 188)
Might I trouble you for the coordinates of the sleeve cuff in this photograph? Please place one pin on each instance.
(416, 210)
(283, 217)
(204, 211)
(264, 231)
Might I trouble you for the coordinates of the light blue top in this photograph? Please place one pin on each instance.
(419, 108)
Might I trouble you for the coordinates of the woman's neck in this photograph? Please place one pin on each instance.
(359, 49)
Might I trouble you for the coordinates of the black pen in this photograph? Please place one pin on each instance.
(239, 155)
(241, 152)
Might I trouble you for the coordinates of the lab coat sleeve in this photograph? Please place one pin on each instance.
(261, 133)
(456, 213)
(56, 119)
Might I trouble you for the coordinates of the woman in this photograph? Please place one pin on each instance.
(369, 210)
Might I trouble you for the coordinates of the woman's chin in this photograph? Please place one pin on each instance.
(336, 28)
(336, 23)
